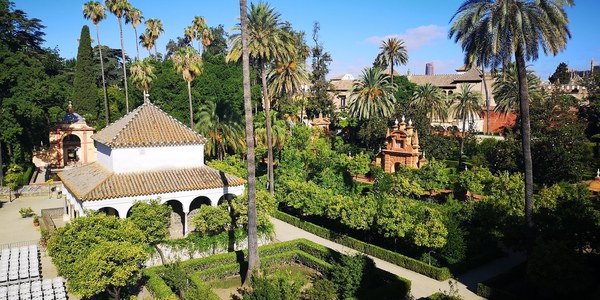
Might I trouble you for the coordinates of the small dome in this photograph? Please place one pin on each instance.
(72, 117)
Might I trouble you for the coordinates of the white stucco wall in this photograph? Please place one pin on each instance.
(104, 155)
(123, 160)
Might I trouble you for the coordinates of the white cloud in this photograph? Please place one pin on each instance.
(415, 38)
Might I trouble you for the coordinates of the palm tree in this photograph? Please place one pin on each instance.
(155, 28)
(506, 88)
(268, 41)
(519, 28)
(135, 17)
(189, 34)
(189, 63)
(253, 260)
(222, 134)
(392, 53)
(142, 74)
(147, 41)
(466, 107)
(280, 131)
(95, 11)
(429, 98)
(203, 32)
(119, 8)
(372, 95)
(287, 79)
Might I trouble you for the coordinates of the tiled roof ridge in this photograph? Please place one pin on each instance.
(133, 114)
(177, 121)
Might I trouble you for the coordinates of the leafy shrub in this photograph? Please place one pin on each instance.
(381, 253)
(322, 289)
(352, 273)
(26, 212)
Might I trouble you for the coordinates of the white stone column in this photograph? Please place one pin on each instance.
(185, 222)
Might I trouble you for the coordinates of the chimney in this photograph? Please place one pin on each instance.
(429, 69)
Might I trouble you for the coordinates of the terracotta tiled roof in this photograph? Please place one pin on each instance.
(147, 126)
(342, 85)
(320, 121)
(446, 80)
(471, 75)
(94, 182)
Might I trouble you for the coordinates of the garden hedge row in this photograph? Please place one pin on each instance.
(219, 266)
(376, 251)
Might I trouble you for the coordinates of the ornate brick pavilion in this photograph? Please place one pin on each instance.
(146, 155)
(401, 149)
(70, 144)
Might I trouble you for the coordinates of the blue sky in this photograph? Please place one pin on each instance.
(351, 30)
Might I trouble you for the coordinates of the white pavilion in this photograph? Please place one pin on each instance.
(147, 155)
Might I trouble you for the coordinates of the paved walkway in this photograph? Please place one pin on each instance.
(15, 229)
(422, 286)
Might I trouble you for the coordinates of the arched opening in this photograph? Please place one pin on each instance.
(195, 208)
(71, 144)
(109, 211)
(177, 218)
(397, 167)
(225, 199)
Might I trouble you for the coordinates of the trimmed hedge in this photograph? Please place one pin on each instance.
(156, 285)
(215, 267)
(376, 251)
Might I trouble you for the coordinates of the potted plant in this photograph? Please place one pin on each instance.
(36, 220)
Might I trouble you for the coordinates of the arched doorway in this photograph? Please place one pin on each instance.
(225, 198)
(109, 211)
(177, 218)
(195, 208)
(71, 144)
(397, 167)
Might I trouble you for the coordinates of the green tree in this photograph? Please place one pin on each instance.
(119, 8)
(211, 220)
(13, 179)
(372, 95)
(561, 75)
(392, 52)
(540, 25)
(222, 134)
(110, 266)
(430, 231)
(268, 41)
(135, 17)
(319, 101)
(506, 88)
(429, 98)
(153, 219)
(189, 63)
(142, 75)
(85, 90)
(95, 11)
(359, 164)
(253, 260)
(74, 242)
(466, 108)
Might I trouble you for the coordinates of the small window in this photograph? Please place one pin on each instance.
(342, 102)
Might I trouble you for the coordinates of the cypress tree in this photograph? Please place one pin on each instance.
(85, 94)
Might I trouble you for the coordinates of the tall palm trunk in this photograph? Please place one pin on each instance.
(462, 141)
(190, 101)
(487, 98)
(124, 68)
(526, 141)
(392, 72)
(155, 50)
(106, 116)
(137, 46)
(253, 260)
(263, 75)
